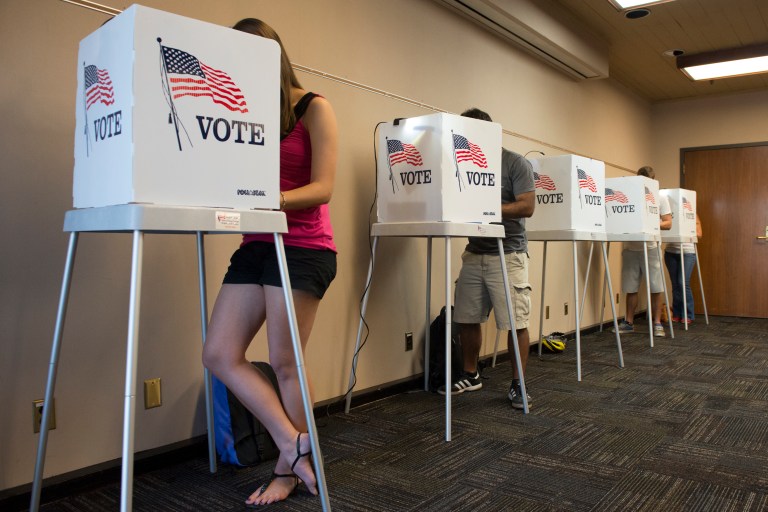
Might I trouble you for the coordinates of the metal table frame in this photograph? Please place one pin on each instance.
(695, 241)
(445, 230)
(575, 236)
(645, 238)
(139, 219)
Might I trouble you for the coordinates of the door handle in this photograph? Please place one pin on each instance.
(761, 238)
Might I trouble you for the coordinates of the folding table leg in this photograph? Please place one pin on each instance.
(701, 283)
(516, 349)
(42, 445)
(666, 295)
(576, 305)
(206, 374)
(613, 306)
(360, 325)
(131, 359)
(427, 341)
(448, 314)
(648, 292)
(541, 307)
(685, 298)
(317, 456)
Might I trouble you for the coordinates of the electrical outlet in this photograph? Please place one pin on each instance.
(565, 309)
(617, 298)
(546, 313)
(37, 415)
(152, 394)
(408, 341)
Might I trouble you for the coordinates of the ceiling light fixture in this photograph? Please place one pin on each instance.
(631, 4)
(746, 60)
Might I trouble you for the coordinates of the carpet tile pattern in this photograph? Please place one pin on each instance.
(683, 427)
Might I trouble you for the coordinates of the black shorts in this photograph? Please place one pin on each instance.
(310, 270)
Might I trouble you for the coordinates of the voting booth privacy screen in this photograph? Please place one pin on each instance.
(683, 205)
(439, 167)
(176, 111)
(569, 194)
(632, 205)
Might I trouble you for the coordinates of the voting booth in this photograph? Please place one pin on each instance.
(176, 111)
(683, 205)
(569, 194)
(439, 168)
(632, 205)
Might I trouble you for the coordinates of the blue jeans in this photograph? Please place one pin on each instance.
(672, 261)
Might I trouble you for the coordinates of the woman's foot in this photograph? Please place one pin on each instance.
(279, 487)
(291, 467)
(301, 464)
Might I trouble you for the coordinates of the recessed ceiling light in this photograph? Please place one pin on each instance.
(674, 53)
(636, 14)
(629, 4)
(747, 60)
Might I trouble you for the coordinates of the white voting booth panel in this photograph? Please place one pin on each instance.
(683, 205)
(632, 205)
(569, 194)
(175, 111)
(439, 167)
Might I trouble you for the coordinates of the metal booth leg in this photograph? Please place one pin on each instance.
(131, 359)
(613, 305)
(666, 295)
(701, 283)
(648, 292)
(448, 342)
(42, 445)
(363, 307)
(685, 295)
(576, 305)
(512, 329)
(602, 294)
(427, 341)
(206, 374)
(317, 456)
(541, 306)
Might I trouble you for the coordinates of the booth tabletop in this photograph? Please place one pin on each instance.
(633, 237)
(565, 235)
(173, 219)
(426, 229)
(680, 239)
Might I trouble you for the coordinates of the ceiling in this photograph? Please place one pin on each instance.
(636, 47)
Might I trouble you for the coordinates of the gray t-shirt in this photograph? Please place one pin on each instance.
(516, 178)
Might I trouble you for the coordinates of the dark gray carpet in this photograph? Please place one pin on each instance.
(683, 427)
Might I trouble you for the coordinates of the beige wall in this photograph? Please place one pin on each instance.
(721, 120)
(430, 55)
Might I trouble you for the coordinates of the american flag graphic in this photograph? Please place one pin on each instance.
(649, 196)
(615, 195)
(201, 80)
(586, 181)
(543, 181)
(98, 87)
(687, 205)
(402, 152)
(468, 152)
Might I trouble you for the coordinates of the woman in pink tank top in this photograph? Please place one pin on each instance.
(251, 291)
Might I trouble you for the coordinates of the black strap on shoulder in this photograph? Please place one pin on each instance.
(303, 103)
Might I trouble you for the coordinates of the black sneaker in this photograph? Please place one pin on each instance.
(466, 382)
(516, 397)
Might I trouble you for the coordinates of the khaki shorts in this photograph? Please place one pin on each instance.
(633, 269)
(480, 288)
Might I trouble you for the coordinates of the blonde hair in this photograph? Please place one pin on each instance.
(287, 76)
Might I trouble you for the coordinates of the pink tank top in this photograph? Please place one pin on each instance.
(311, 227)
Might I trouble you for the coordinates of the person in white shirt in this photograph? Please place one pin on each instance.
(633, 267)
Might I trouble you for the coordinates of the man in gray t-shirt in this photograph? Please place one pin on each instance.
(480, 286)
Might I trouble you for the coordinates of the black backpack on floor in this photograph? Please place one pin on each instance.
(437, 351)
(241, 439)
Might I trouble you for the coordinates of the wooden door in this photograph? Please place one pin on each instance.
(731, 185)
